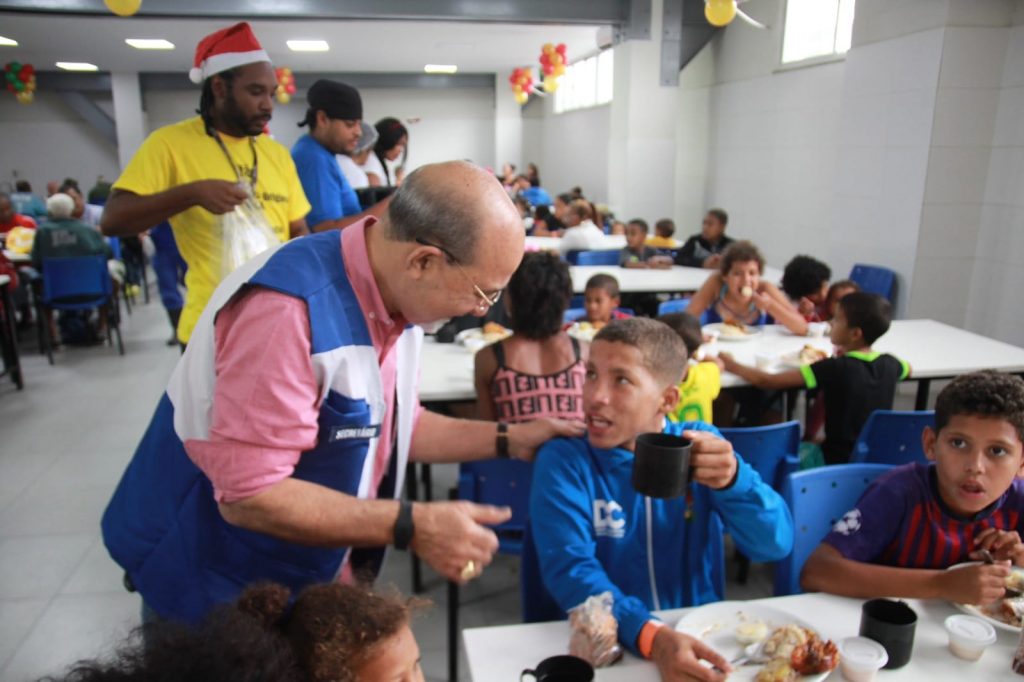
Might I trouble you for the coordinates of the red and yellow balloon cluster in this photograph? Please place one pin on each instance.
(552, 63)
(21, 80)
(123, 8)
(719, 12)
(522, 84)
(285, 84)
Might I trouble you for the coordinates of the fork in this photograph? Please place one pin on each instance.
(1010, 592)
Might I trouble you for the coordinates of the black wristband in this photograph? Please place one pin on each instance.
(404, 527)
(501, 441)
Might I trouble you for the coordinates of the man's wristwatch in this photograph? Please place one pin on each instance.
(501, 441)
(404, 527)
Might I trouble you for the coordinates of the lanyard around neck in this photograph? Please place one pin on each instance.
(238, 172)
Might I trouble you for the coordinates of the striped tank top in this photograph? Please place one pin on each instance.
(521, 397)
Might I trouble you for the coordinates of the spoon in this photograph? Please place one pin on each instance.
(752, 654)
(989, 559)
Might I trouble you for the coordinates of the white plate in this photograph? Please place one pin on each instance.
(716, 623)
(752, 332)
(582, 333)
(792, 359)
(474, 339)
(973, 610)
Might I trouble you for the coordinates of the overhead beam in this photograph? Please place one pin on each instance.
(608, 12)
(92, 114)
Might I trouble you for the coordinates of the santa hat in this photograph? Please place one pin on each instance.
(224, 50)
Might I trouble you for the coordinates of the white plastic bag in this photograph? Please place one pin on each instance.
(595, 632)
(246, 233)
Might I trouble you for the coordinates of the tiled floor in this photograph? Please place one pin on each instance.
(64, 441)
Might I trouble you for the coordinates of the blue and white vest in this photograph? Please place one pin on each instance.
(163, 525)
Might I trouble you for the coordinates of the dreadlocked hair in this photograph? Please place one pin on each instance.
(206, 100)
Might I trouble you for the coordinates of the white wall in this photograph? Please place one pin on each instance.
(46, 141)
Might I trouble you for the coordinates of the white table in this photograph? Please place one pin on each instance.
(446, 372)
(501, 653)
(611, 242)
(645, 280)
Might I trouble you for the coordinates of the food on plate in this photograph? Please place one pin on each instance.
(492, 331)
(810, 355)
(747, 292)
(1010, 611)
(750, 632)
(796, 651)
(733, 328)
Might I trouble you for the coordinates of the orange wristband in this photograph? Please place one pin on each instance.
(645, 642)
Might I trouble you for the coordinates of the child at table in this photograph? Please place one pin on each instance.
(805, 281)
(702, 381)
(855, 383)
(663, 239)
(914, 522)
(593, 533)
(601, 299)
(835, 292)
(637, 254)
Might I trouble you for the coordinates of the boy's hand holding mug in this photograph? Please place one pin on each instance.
(712, 460)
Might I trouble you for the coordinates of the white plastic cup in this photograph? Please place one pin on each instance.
(969, 636)
(861, 658)
(817, 330)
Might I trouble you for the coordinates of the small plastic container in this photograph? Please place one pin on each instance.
(969, 636)
(818, 330)
(861, 658)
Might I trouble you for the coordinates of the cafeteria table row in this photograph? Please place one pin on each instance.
(502, 652)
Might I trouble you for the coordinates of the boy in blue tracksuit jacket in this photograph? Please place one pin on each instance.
(594, 533)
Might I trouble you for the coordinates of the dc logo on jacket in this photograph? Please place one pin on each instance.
(609, 519)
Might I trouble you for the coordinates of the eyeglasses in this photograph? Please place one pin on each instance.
(486, 301)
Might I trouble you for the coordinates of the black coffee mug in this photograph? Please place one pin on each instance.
(661, 465)
(891, 624)
(561, 669)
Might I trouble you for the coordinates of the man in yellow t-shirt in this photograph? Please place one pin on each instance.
(196, 170)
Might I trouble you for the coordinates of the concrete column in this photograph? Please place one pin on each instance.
(128, 115)
(642, 145)
(508, 125)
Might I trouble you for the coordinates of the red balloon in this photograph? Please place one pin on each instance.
(528, 88)
(545, 59)
(560, 49)
(548, 69)
(290, 88)
(10, 86)
(24, 74)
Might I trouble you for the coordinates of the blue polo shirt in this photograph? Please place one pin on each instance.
(326, 188)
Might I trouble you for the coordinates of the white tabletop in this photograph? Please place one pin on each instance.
(611, 242)
(644, 280)
(501, 653)
(933, 349)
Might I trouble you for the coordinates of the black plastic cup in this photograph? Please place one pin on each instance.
(661, 465)
(561, 669)
(891, 624)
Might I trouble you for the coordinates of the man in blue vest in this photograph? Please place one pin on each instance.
(278, 450)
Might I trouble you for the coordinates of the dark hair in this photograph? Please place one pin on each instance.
(423, 209)
(740, 252)
(582, 208)
(983, 394)
(67, 186)
(206, 99)
(663, 352)
(804, 276)
(720, 213)
(23, 186)
(639, 222)
(870, 313)
(521, 202)
(576, 192)
(565, 198)
(835, 287)
(390, 131)
(688, 328)
(538, 295)
(603, 281)
(665, 227)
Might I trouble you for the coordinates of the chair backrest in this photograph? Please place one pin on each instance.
(78, 282)
(817, 498)
(674, 305)
(772, 450)
(504, 483)
(572, 314)
(875, 279)
(115, 247)
(603, 257)
(892, 437)
(539, 606)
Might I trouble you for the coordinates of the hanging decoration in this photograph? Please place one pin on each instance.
(123, 8)
(552, 65)
(21, 81)
(285, 84)
(522, 84)
(721, 13)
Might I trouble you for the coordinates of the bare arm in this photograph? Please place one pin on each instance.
(829, 571)
(377, 210)
(439, 439)
(705, 298)
(485, 364)
(792, 378)
(297, 228)
(775, 303)
(127, 213)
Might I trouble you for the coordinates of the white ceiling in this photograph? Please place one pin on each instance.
(388, 46)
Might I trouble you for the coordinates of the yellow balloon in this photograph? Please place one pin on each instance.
(548, 48)
(123, 8)
(559, 70)
(283, 97)
(550, 83)
(522, 97)
(517, 88)
(25, 96)
(720, 12)
(30, 86)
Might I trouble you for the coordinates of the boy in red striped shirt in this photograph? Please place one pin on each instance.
(915, 521)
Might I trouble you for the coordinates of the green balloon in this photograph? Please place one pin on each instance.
(19, 86)
(15, 67)
(12, 77)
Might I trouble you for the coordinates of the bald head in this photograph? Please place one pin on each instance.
(455, 205)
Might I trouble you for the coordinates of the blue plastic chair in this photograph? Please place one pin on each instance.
(80, 283)
(572, 314)
(675, 305)
(539, 606)
(875, 279)
(773, 451)
(817, 498)
(892, 437)
(597, 258)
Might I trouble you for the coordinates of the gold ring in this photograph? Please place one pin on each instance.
(468, 571)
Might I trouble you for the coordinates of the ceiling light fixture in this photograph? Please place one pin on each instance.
(8, 41)
(440, 68)
(308, 45)
(150, 43)
(77, 66)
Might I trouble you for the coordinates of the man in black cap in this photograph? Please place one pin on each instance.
(335, 110)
